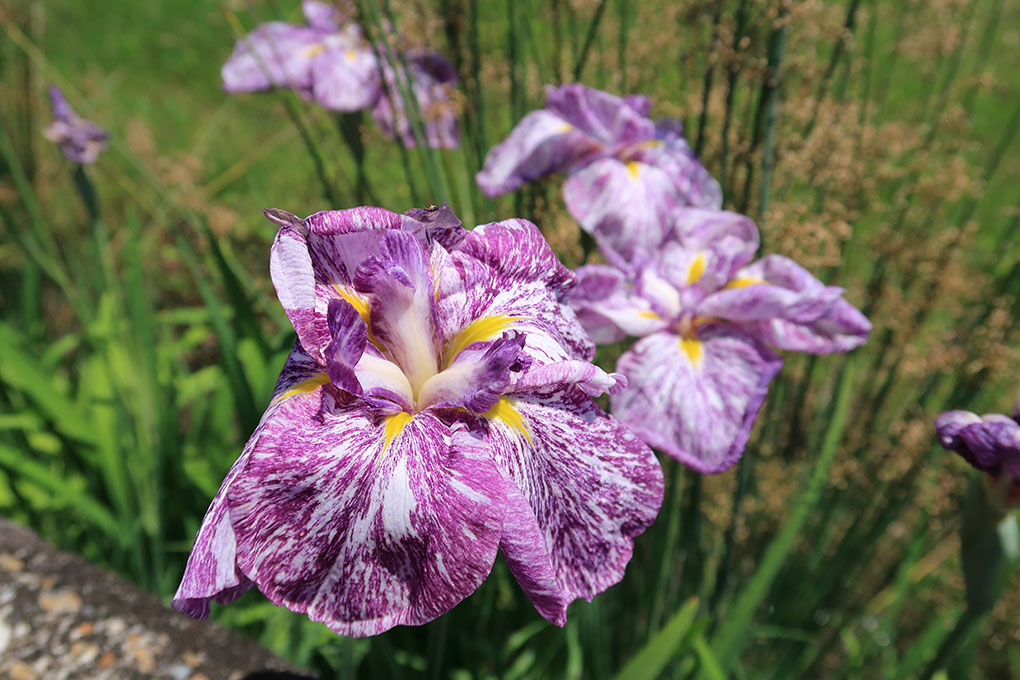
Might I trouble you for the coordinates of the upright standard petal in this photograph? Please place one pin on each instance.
(696, 398)
(610, 120)
(581, 488)
(364, 525)
(729, 239)
(212, 573)
(541, 143)
(670, 152)
(625, 206)
(275, 54)
(313, 261)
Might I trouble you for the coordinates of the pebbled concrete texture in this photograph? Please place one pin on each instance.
(62, 618)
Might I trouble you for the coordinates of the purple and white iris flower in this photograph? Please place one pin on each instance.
(330, 61)
(627, 173)
(708, 318)
(990, 443)
(327, 60)
(436, 408)
(80, 140)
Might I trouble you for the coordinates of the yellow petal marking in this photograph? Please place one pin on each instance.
(696, 270)
(360, 305)
(649, 314)
(743, 282)
(350, 55)
(504, 410)
(395, 424)
(306, 385)
(692, 348)
(633, 167)
(564, 128)
(477, 330)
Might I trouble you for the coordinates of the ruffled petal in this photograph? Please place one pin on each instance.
(727, 239)
(349, 335)
(212, 573)
(625, 206)
(696, 399)
(313, 261)
(583, 487)
(275, 54)
(583, 375)
(541, 143)
(441, 225)
(364, 524)
(608, 119)
(504, 276)
(477, 376)
(346, 78)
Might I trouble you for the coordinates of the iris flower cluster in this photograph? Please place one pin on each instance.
(680, 274)
(437, 409)
(328, 60)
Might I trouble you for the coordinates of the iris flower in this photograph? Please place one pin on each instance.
(81, 140)
(991, 443)
(436, 408)
(627, 173)
(709, 319)
(432, 79)
(327, 60)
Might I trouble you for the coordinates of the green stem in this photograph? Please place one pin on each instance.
(589, 38)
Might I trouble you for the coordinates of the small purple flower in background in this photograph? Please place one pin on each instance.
(627, 173)
(436, 408)
(991, 443)
(707, 318)
(432, 81)
(80, 140)
(328, 60)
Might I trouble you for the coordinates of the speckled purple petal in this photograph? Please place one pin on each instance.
(507, 270)
(349, 335)
(626, 207)
(608, 119)
(441, 225)
(693, 184)
(583, 375)
(80, 140)
(363, 534)
(275, 54)
(211, 573)
(312, 261)
(541, 143)
(608, 308)
(698, 405)
(345, 77)
(990, 443)
(588, 485)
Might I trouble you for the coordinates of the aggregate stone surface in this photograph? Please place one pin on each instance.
(62, 618)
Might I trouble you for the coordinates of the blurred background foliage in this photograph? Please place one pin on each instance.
(874, 142)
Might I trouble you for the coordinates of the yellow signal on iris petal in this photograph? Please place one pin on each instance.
(359, 305)
(503, 410)
(696, 270)
(313, 50)
(564, 128)
(306, 385)
(744, 282)
(477, 330)
(395, 424)
(692, 348)
(649, 314)
(634, 168)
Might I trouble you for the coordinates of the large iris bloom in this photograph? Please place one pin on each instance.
(708, 318)
(81, 140)
(437, 408)
(627, 173)
(991, 443)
